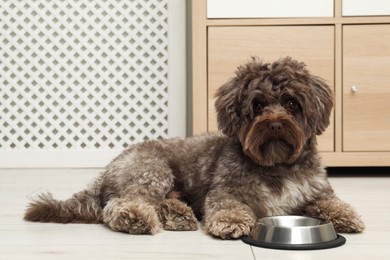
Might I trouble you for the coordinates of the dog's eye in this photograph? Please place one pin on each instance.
(292, 105)
(257, 107)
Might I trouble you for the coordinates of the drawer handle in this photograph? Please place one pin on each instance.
(354, 89)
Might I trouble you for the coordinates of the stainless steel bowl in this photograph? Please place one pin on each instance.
(294, 232)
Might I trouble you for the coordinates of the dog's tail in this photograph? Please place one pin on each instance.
(81, 208)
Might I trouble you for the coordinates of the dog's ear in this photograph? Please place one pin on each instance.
(227, 107)
(323, 103)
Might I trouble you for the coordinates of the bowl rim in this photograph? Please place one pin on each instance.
(322, 223)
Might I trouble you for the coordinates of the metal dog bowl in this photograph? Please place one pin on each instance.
(294, 233)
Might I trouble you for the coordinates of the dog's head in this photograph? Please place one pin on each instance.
(273, 109)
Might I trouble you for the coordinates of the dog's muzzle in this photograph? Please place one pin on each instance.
(273, 139)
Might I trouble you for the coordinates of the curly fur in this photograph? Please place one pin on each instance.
(264, 163)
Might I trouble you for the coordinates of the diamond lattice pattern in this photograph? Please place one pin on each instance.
(82, 74)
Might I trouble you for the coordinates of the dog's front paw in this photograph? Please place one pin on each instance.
(227, 225)
(343, 217)
(134, 218)
(350, 224)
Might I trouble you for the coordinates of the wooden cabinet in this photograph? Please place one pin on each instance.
(366, 87)
(351, 53)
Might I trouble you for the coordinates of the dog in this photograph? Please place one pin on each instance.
(264, 162)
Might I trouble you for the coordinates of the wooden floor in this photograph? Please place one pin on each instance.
(369, 193)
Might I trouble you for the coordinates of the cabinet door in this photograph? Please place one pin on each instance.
(365, 7)
(271, 9)
(366, 88)
(228, 47)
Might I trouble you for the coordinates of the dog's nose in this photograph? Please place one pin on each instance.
(275, 127)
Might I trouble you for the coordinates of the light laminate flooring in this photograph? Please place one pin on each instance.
(368, 193)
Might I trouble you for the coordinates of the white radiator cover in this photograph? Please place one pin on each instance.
(81, 79)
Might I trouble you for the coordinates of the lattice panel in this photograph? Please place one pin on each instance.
(78, 74)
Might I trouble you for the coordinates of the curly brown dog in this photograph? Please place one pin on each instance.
(265, 163)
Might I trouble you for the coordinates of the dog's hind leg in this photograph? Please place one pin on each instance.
(81, 208)
(143, 179)
(131, 216)
(176, 215)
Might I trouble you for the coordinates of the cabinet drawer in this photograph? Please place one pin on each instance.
(366, 89)
(366, 7)
(229, 47)
(269, 8)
